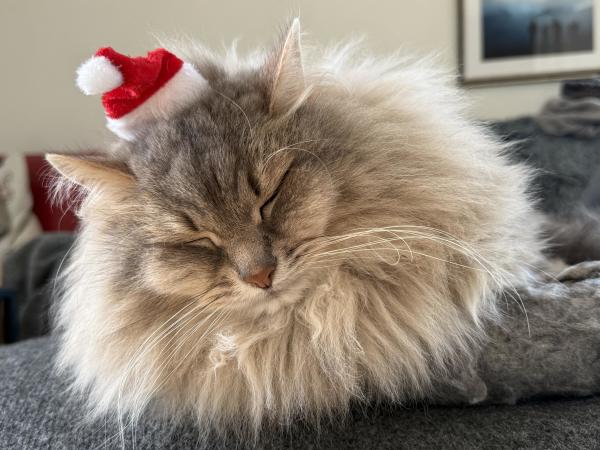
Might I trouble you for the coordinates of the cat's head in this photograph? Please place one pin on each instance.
(227, 195)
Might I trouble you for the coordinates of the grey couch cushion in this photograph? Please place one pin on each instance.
(37, 413)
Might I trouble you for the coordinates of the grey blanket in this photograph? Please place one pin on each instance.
(547, 346)
(30, 272)
(566, 167)
(571, 117)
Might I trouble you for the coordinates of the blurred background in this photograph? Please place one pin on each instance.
(43, 42)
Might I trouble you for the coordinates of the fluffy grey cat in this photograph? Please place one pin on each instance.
(310, 230)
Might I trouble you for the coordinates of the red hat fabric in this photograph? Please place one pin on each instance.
(142, 76)
(128, 84)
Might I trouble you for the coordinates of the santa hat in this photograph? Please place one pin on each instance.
(138, 91)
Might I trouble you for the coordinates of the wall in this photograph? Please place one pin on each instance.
(42, 42)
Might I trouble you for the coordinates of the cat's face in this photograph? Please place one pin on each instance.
(231, 200)
(226, 200)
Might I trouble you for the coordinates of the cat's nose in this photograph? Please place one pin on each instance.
(261, 278)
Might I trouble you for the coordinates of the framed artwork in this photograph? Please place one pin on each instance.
(520, 40)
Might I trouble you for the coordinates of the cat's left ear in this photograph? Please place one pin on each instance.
(288, 83)
(89, 172)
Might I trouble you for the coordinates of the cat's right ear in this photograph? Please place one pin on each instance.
(88, 171)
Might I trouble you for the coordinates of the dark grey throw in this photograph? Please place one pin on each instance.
(30, 272)
(547, 346)
(571, 117)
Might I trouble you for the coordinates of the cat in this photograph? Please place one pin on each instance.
(317, 229)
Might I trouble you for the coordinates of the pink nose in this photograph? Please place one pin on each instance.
(261, 278)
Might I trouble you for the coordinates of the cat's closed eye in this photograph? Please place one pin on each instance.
(189, 223)
(267, 206)
(204, 241)
(203, 238)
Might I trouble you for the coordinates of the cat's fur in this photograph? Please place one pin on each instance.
(396, 224)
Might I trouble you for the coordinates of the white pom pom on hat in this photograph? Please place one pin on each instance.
(98, 75)
(137, 91)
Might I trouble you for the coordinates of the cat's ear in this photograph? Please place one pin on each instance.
(88, 171)
(288, 84)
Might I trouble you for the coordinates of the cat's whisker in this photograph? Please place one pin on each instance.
(264, 162)
(159, 332)
(460, 247)
(128, 374)
(401, 250)
(453, 242)
(369, 246)
(192, 330)
(333, 240)
(447, 240)
(378, 240)
(496, 274)
(318, 158)
(323, 243)
(198, 309)
(234, 103)
(368, 233)
(140, 404)
(221, 317)
(153, 339)
(182, 341)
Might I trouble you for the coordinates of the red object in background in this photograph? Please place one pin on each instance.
(51, 217)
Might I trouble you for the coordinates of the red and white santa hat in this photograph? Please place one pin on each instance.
(138, 91)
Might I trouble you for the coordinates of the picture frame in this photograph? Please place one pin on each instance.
(512, 41)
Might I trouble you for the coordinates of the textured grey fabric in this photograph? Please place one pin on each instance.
(571, 117)
(548, 344)
(36, 413)
(566, 166)
(29, 271)
(581, 88)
